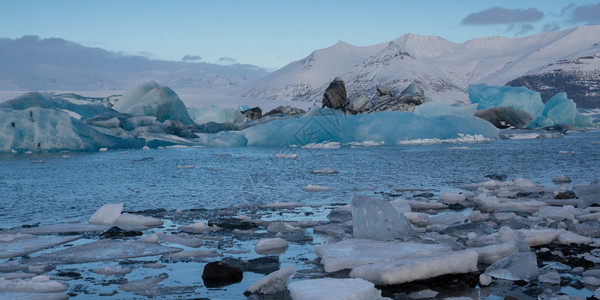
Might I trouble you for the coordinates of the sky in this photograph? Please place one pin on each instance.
(271, 34)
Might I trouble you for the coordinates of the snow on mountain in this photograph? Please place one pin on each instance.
(442, 68)
(31, 63)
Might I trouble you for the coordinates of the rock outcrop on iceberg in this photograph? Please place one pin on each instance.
(151, 99)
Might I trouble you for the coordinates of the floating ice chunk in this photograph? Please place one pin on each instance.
(550, 277)
(282, 227)
(423, 294)
(539, 237)
(147, 283)
(278, 204)
(126, 219)
(109, 271)
(365, 144)
(518, 97)
(216, 114)
(323, 145)
(180, 239)
(23, 246)
(315, 188)
(198, 227)
(333, 288)
(37, 284)
(107, 214)
(351, 253)
(590, 280)
(102, 250)
(520, 266)
(287, 156)
(65, 228)
(325, 171)
(270, 246)
(435, 109)
(561, 179)
(377, 219)
(274, 282)
(557, 213)
(417, 268)
(192, 253)
(567, 238)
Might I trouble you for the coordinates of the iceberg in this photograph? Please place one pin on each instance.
(435, 109)
(39, 129)
(82, 109)
(495, 96)
(216, 114)
(151, 99)
(559, 111)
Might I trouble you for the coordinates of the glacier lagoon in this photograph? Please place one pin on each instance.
(184, 185)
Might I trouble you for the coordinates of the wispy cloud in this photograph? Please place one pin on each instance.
(227, 60)
(192, 58)
(499, 15)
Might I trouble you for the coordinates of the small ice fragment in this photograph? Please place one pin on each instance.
(147, 283)
(315, 188)
(108, 271)
(520, 266)
(198, 227)
(286, 156)
(333, 288)
(152, 238)
(282, 227)
(325, 171)
(485, 279)
(126, 219)
(324, 145)
(102, 149)
(423, 294)
(37, 284)
(270, 246)
(567, 237)
(590, 280)
(274, 282)
(561, 179)
(377, 219)
(452, 198)
(551, 277)
(192, 253)
(107, 214)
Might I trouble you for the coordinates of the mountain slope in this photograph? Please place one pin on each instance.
(31, 63)
(442, 68)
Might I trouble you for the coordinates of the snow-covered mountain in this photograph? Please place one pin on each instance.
(442, 68)
(31, 63)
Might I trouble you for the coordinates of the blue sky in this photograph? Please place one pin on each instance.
(273, 33)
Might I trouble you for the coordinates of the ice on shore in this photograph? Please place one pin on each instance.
(108, 271)
(126, 219)
(37, 284)
(107, 214)
(588, 194)
(519, 266)
(147, 283)
(352, 253)
(378, 219)
(416, 268)
(101, 250)
(22, 246)
(270, 246)
(274, 282)
(333, 288)
(198, 227)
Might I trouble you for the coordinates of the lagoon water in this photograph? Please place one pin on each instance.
(51, 188)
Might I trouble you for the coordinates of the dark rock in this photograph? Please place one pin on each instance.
(285, 110)
(497, 177)
(456, 206)
(254, 113)
(232, 223)
(217, 274)
(505, 116)
(423, 195)
(261, 265)
(117, 233)
(565, 195)
(335, 95)
(67, 273)
(178, 129)
(213, 127)
(529, 194)
(412, 96)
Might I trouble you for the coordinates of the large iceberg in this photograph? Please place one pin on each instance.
(151, 99)
(80, 109)
(39, 129)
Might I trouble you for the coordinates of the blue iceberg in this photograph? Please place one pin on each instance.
(560, 111)
(495, 96)
(81, 110)
(434, 109)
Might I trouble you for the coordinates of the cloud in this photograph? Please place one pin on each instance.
(145, 53)
(551, 27)
(525, 28)
(192, 58)
(586, 14)
(498, 15)
(227, 60)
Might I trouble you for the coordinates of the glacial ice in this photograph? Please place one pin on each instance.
(151, 99)
(416, 268)
(270, 246)
(146, 283)
(495, 96)
(377, 219)
(352, 253)
(588, 194)
(101, 250)
(560, 110)
(519, 266)
(23, 246)
(274, 282)
(108, 271)
(38, 129)
(333, 288)
(83, 110)
(436, 109)
(215, 114)
(38, 284)
(126, 219)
